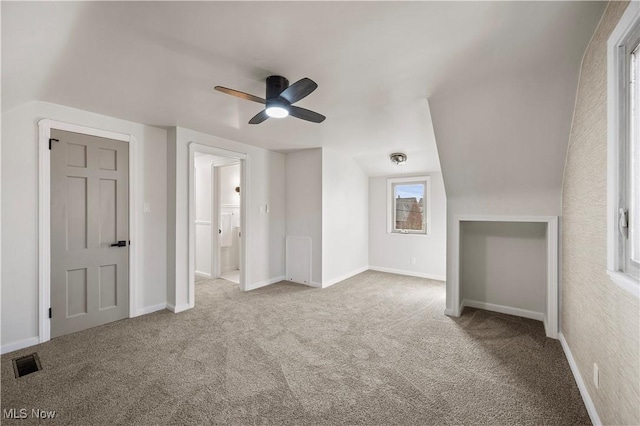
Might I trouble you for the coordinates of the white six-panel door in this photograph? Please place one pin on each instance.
(89, 213)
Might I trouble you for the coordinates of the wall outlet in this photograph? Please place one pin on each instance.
(596, 375)
(413, 260)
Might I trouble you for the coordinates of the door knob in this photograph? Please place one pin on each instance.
(119, 244)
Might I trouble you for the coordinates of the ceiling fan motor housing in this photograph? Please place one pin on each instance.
(276, 85)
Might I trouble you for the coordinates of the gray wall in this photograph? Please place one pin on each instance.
(504, 264)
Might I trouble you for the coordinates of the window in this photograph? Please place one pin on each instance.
(631, 165)
(623, 174)
(408, 205)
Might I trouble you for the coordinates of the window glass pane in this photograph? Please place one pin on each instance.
(633, 174)
(409, 206)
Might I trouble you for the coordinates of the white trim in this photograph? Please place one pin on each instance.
(524, 313)
(625, 282)
(266, 283)
(343, 277)
(44, 216)
(203, 274)
(177, 309)
(454, 304)
(408, 273)
(243, 158)
(551, 315)
(616, 133)
(586, 398)
(32, 341)
(150, 309)
(312, 284)
(203, 222)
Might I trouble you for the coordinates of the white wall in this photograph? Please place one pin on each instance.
(502, 140)
(504, 264)
(345, 217)
(303, 188)
(546, 203)
(229, 177)
(393, 252)
(229, 180)
(20, 211)
(265, 230)
(204, 214)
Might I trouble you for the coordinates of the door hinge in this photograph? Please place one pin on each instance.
(49, 312)
(52, 140)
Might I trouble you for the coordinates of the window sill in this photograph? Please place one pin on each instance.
(414, 234)
(627, 283)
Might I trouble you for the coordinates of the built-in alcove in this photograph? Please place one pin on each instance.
(507, 264)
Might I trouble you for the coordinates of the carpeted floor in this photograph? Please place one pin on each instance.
(375, 349)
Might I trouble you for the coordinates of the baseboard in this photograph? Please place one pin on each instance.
(230, 268)
(586, 398)
(538, 316)
(346, 276)
(408, 273)
(265, 283)
(203, 275)
(150, 309)
(176, 309)
(19, 345)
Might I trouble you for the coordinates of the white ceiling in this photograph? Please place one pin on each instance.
(376, 64)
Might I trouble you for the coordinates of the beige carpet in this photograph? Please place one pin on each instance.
(375, 350)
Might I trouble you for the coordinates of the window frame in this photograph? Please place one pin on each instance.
(391, 183)
(623, 41)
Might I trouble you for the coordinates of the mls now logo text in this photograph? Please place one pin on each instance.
(23, 413)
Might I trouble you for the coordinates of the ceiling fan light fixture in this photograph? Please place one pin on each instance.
(279, 99)
(276, 108)
(277, 112)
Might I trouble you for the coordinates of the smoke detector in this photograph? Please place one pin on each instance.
(398, 158)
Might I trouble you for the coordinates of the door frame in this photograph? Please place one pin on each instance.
(44, 215)
(244, 190)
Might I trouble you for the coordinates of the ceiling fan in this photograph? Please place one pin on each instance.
(279, 99)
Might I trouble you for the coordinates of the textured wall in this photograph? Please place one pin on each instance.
(599, 320)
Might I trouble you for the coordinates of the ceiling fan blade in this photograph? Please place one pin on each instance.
(259, 117)
(239, 94)
(305, 114)
(299, 90)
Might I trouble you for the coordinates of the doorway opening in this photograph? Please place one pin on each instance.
(217, 201)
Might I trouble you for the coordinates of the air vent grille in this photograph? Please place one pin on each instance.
(26, 365)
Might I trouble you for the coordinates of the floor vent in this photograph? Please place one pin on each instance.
(26, 365)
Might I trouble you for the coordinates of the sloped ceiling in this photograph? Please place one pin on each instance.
(498, 77)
